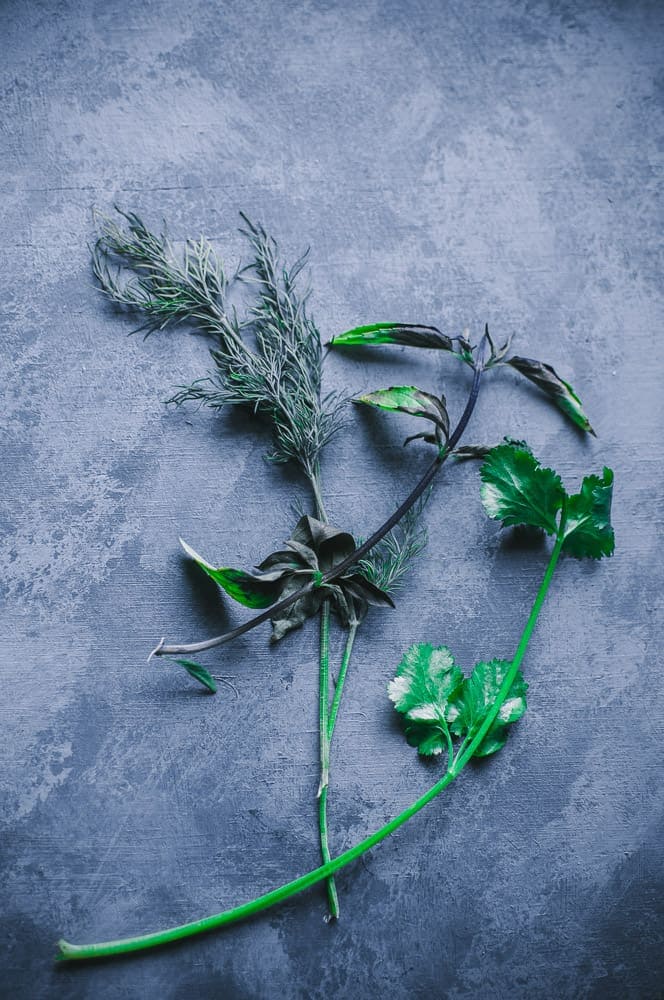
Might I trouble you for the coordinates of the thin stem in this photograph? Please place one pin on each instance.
(361, 550)
(108, 948)
(323, 716)
(464, 755)
(348, 651)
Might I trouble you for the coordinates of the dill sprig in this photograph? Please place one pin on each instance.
(388, 562)
(279, 378)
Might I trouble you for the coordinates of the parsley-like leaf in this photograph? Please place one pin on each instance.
(427, 678)
(468, 710)
(588, 531)
(517, 490)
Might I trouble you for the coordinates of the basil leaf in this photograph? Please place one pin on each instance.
(251, 591)
(409, 399)
(403, 334)
(561, 392)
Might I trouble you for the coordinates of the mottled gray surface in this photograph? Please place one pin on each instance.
(448, 162)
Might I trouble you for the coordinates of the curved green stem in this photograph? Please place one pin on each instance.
(468, 749)
(338, 690)
(109, 948)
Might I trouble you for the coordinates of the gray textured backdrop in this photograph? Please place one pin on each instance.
(448, 162)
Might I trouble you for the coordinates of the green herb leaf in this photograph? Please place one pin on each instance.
(409, 399)
(200, 674)
(404, 334)
(588, 531)
(561, 392)
(246, 589)
(470, 706)
(517, 490)
(427, 678)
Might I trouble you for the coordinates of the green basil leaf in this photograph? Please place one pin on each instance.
(561, 392)
(409, 399)
(251, 591)
(403, 334)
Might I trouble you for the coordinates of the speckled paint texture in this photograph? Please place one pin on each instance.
(448, 162)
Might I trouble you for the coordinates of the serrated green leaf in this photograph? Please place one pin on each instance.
(474, 700)
(200, 674)
(517, 490)
(409, 399)
(402, 334)
(588, 532)
(558, 390)
(251, 591)
(426, 679)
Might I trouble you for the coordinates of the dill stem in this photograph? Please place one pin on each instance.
(107, 949)
(338, 570)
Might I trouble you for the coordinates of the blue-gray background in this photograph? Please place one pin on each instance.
(457, 163)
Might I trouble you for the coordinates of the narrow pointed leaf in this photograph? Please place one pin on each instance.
(403, 334)
(474, 700)
(588, 531)
(411, 400)
(560, 391)
(200, 674)
(517, 490)
(246, 589)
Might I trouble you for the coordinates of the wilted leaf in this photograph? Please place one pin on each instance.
(403, 334)
(561, 392)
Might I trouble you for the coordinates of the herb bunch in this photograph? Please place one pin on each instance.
(271, 362)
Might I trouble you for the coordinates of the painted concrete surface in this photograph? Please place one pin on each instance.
(448, 162)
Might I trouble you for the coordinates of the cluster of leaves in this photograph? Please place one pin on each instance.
(416, 402)
(438, 703)
(516, 490)
(312, 551)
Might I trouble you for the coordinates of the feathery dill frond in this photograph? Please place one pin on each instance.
(388, 562)
(280, 379)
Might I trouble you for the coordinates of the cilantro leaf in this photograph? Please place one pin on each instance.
(587, 530)
(427, 678)
(200, 674)
(471, 705)
(517, 490)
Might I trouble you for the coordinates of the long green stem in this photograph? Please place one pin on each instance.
(467, 750)
(108, 948)
(338, 690)
(323, 730)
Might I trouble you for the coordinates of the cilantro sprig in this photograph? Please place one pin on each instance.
(439, 705)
